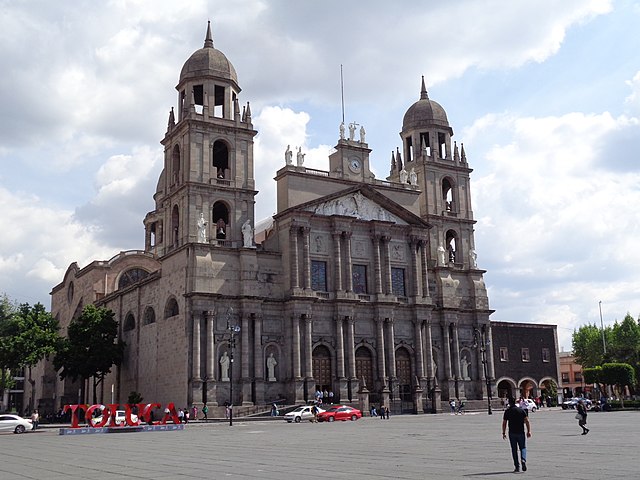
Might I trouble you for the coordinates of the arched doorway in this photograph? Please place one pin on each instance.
(527, 389)
(403, 374)
(504, 389)
(364, 367)
(322, 368)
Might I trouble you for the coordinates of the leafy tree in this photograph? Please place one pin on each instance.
(587, 346)
(625, 343)
(134, 398)
(91, 347)
(592, 375)
(27, 335)
(619, 375)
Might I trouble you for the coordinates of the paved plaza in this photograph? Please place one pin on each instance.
(405, 447)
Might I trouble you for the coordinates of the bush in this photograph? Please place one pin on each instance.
(628, 404)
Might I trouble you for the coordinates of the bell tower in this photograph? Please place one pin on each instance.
(206, 190)
(442, 175)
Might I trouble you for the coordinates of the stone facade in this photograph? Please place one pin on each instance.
(364, 287)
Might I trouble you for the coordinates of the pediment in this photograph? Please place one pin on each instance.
(355, 205)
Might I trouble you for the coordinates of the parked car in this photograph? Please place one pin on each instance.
(119, 419)
(572, 402)
(14, 423)
(530, 405)
(340, 412)
(301, 413)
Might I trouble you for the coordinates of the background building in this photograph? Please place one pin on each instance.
(364, 287)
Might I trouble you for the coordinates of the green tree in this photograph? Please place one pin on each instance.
(91, 348)
(619, 375)
(587, 346)
(27, 335)
(625, 342)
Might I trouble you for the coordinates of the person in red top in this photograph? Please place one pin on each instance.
(516, 418)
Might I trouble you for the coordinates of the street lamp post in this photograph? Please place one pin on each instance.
(233, 329)
(481, 340)
(604, 345)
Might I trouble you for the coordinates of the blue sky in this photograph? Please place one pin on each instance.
(544, 95)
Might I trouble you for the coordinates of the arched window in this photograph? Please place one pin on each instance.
(448, 198)
(453, 252)
(171, 309)
(175, 225)
(221, 220)
(131, 276)
(175, 165)
(149, 316)
(221, 159)
(129, 322)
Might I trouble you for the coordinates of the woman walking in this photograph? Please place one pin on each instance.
(581, 416)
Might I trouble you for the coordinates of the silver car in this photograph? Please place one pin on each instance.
(14, 423)
(301, 413)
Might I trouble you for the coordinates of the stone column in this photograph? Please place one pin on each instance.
(415, 280)
(244, 346)
(381, 351)
(447, 350)
(425, 275)
(377, 266)
(337, 238)
(349, 270)
(295, 328)
(340, 348)
(211, 358)
(295, 270)
(351, 341)
(387, 266)
(391, 347)
(429, 349)
(147, 237)
(456, 351)
(306, 257)
(196, 348)
(419, 357)
(258, 367)
(308, 347)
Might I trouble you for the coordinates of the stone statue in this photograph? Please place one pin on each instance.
(464, 368)
(362, 134)
(403, 176)
(288, 155)
(300, 157)
(224, 367)
(413, 177)
(341, 130)
(247, 234)
(352, 131)
(441, 256)
(202, 229)
(271, 368)
(473, 259)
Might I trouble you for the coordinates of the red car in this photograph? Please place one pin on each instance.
(340, 412)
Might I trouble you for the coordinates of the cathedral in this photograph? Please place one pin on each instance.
(365, 288)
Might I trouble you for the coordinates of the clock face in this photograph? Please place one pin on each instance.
(355, 165)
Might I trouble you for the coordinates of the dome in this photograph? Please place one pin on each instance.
(425, 112)
(208, 62)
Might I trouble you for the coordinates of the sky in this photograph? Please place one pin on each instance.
(544, 95)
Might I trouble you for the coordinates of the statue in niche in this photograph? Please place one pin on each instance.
(221, 233)
(247, 234)
(341, 130)
(288, 155)
(271, 368)
(441, 256)
(224, 367)
(300, 157)
(202, 229)
(362, 134)
(403, 176)
(464, 368)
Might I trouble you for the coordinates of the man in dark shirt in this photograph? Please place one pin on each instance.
(516, 418)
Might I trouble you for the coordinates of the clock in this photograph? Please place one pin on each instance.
(355, 165)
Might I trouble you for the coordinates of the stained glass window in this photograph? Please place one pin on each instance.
(359, 274)
(318, 275)
(397, 282)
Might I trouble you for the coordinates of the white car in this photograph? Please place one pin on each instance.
(529, 405)
(301, 413)
(14, 423)
(119, 420)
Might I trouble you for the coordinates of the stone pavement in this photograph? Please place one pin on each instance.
(405, 447)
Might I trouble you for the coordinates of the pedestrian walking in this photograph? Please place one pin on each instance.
(386, 412)
(35, 419)
(581, 416)
(516, 418)
(452, 404)
(205, 410)
(381, 411)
